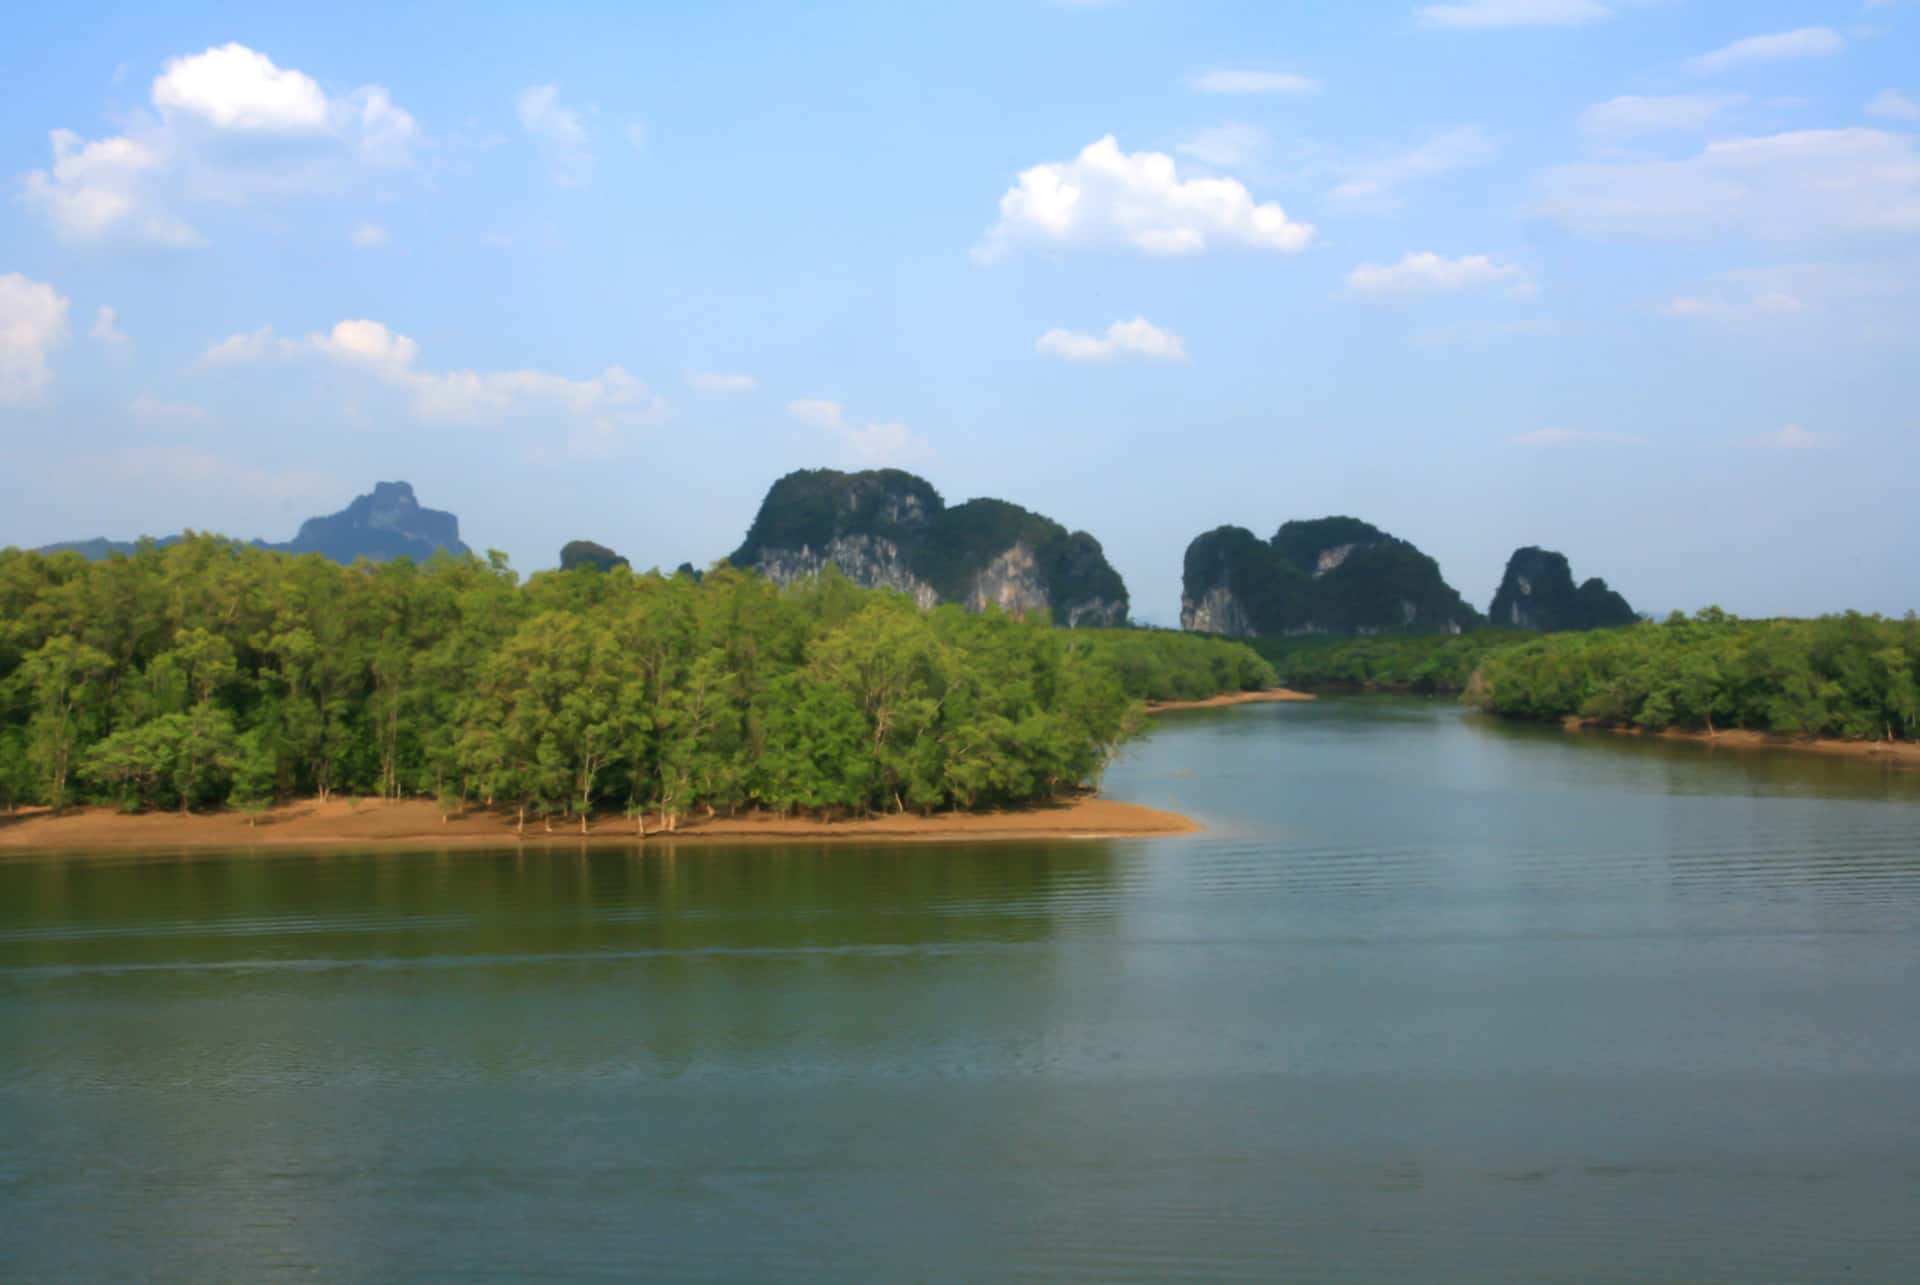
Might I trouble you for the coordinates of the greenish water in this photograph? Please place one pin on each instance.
(1431, 999)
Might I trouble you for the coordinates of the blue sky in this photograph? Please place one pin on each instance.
(1633, 279)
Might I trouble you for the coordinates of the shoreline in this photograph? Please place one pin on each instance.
(1263, 697)
(1740, 738)
(418, 824)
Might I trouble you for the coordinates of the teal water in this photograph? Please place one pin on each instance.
(1430, 1000)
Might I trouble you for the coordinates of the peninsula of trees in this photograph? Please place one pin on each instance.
(210, 672)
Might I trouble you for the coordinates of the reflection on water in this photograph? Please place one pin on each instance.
(1431, 998)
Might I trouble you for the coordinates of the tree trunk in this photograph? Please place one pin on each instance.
(521, 828)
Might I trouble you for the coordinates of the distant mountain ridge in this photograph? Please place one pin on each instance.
(387, 523)
(886, 528)
(1335, 575)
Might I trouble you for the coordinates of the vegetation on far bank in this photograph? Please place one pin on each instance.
(1850, 677)
(210, 672)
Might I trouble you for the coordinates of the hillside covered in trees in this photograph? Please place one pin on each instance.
(1335, 575)
(211, 672)
(885, 528)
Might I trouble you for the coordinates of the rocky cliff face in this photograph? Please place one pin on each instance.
(1537, 592)
(1329, 576)
(889, 529)
(387, 523)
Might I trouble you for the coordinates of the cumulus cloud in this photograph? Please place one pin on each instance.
(1788, 437)
(561, 135)
(1806, 42)
(715, 381)
(868, 444)
(1105, 198)
(1372, 184)
(1891, 104)
(452, 396)
(1424, 272)
(1480, 14)
(1570, 437)
(33, 322)
(1633, 114)
(106, 326)
(1230, 80)
(1139, 339)
(227, 125)
(1794, 186)
(368, 236)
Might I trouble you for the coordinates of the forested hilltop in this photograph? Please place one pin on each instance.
(210, 672)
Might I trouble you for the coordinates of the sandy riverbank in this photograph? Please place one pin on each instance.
(1904, 752)
(418, 823)
(1235, 698)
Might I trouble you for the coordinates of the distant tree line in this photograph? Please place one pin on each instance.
(209, 672)
(1850, 676)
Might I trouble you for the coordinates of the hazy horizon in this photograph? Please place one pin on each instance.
(1629, 279)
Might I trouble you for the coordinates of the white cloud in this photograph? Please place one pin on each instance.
(1769, 304)
(1138, 338)
(455, 396)
(235, 88)
(1229, 80)
(558, 130)
(1227, 146)
(106, 326)
(1373, 184)
(1478, 14)
(1891, 104)
(157, 411)
(1795, 186)
(227, 126)
(1806, 42)
(1569, 437)
(1425, 272)
(867, 444)
(816, 411)
(1633, 114)
(33, 322)
(715, 381)
(1109, 199)
(1788, 437)
(368, 236)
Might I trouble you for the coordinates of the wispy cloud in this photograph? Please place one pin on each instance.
(559, 132)
(1139, 339)
(33, 322)
(1483, 14)
(106, 326)
(1425, 272)
(1372, 184)
(1788, 437)
(1891, 104)
(1240, 80)
(157, 411)
(368, 236)
(1806, 42)
(1633, 114)
(714, 381)
(867, 444)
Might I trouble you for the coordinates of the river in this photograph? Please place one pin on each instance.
(1430, 999)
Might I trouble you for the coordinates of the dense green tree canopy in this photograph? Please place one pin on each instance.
(210, 671)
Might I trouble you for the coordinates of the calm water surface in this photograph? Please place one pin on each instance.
(1429, 1000)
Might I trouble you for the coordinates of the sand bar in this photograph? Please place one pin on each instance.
(1903, 752)
(1263, 697)
(419, 823)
